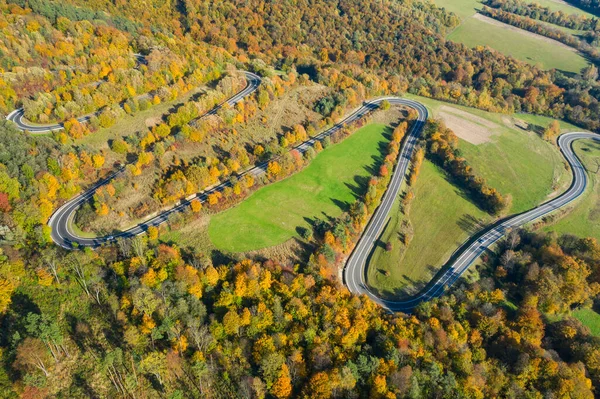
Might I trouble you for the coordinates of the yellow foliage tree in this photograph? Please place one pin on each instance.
(152, 233)
(282, 388)
(6, 289)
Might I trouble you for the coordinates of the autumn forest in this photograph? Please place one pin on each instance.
(140, 94)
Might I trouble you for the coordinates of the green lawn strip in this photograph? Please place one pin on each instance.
(536, 51)
(441, 219)
(584, 219)
(273, 214)
(589, 318)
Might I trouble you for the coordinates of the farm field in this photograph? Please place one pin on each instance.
(274, 214)
(476, 30)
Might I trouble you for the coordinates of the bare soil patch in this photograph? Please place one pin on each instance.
(502, 25)
(469, 127)
(153, 121)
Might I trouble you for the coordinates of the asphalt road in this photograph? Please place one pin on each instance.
(61, 221)
(356, 267)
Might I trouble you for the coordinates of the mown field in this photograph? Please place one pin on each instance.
(517, 162)
(519, 44)
(584, 218)
(275, 213)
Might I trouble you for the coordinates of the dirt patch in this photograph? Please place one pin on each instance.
(153, 121)
(390, 117)
(469, 127)
(467, 115)
(291, 252)
(502, 25)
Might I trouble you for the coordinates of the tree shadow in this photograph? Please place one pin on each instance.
(301, 231)
(469, 224)
(343, 205)
(219, 257)
(359, 187)
(308, 69)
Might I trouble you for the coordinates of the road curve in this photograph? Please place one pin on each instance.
(60, 222)
(356, 268)
(18, 115)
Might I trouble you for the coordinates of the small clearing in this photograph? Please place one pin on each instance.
(153, 121)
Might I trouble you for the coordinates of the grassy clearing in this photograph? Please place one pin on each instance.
(273, 214)
(441, 219)
(521, 45)
(518, 164)
(590, 319)
(584, 219)
(515, 161)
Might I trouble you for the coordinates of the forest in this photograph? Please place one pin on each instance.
(145, 317)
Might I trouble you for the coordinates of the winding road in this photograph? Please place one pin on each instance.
(464, 256)
(356, 266)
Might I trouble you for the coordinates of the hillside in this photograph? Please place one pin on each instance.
(187, 187)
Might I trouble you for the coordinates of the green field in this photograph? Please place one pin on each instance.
(273, 214)
(515, 161)
(519, 164)
(441, 218)
(525, 47)
(590, 319)
(533, 50)
(584, 219)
